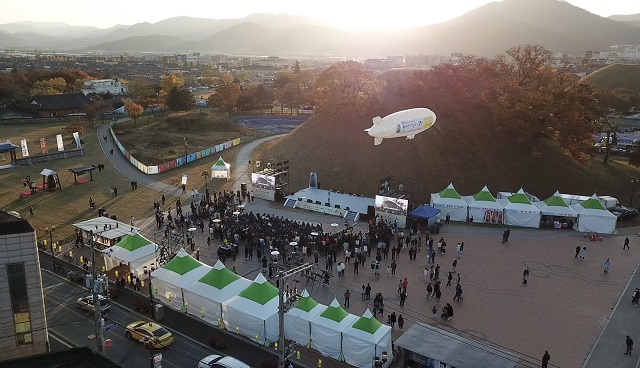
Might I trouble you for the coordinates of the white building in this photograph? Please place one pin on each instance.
(99, 86)
(23, 326)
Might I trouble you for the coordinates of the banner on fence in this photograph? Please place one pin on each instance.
(60, 143)
(25, 149)
(76, 136)
(43, 146)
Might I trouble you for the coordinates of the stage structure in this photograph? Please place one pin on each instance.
(392, 202)
(272, 181)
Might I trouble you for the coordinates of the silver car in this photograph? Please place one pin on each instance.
(214, 361)
(86, 303)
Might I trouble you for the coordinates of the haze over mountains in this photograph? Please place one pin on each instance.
(486, 31)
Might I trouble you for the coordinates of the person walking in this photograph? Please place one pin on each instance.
(403, 297)
(449, 278)
(429, 291)
(400, 322)
(400, 286)
(355, 267)
(405, 283)
(626, 243)
(525, 275)
(545, 359)
(458, 295)
(393, 319)
(455, 263)
(367, 291)
(197, 255)
(447, 219)
(578, 251)
(607, 265)
(505, 235)
(434, 312)
(629, 342)
(583, 253)
(458, 249)
(31, 211)
(347, 295)
(394, 265)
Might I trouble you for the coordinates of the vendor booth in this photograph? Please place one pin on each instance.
(254, 312)
(449, 202)
(50, 180)
(519, 211)
(135, 251)
(169, 280)
(426, 212)
(220, 170)
(484, 208)
(594, 217)
(106, 231)
(297, 321)
(556, 212)
(327, 328)
(366, 338)
(206, 295)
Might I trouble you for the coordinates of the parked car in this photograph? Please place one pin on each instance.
(151, 334)
(86, 303)
(625, 213)
(214, 361)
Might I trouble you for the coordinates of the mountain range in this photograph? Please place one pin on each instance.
(486, 31)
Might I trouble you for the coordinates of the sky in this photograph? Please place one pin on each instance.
(348, 14)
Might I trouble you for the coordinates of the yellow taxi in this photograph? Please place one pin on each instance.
(152, 335)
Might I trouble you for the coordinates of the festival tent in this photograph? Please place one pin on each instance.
(594, 217)
(133, 250)
(426, 212)
(519, 211)
(449, 201)
(326, 330)
(206, 295)
(555, 206)
(254, 311)
(364, 339)
(220, 170)
(297, 321)
(484, 208)
(169, 280)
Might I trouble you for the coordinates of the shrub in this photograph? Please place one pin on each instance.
(216, 341)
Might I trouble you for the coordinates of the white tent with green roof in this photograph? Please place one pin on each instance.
(366, 338)
(594, 217)
(297, 321)
(206, 295)
(485, 208)
(519, 211)
(254, 311)
(555, 206)
(133, 250)
(220, 170)
(327, 327)
(449, 201)
(169, 280)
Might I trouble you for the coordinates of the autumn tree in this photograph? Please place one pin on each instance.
(538, 102)
(139, 88)
(225, 97)
(169, 81)
(152, 103)
(346, 88)
(180, 99)
(133, 110)
(52, 86)
(75, 125)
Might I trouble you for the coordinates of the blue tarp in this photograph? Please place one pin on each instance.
(425, 212)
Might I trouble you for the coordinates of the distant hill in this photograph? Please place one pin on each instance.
(142, 43)
(616, 76)
(625, 17)
(469, 155)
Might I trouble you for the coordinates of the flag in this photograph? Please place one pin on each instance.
(76, 136)
(43, 146)
(60, 143)
(25, 149)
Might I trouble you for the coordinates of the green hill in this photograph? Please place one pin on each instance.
(616, 76)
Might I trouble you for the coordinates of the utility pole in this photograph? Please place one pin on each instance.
(283, 307)
(95, 289)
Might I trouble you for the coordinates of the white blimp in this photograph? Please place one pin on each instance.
(405, 123)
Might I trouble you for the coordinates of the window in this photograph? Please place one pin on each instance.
(19, 303)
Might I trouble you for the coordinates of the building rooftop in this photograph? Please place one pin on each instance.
(10, 224)
(72, 358)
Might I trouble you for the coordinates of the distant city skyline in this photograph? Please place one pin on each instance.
(348, 14)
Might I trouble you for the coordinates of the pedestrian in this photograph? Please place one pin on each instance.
(197, 255)
(447, 219)
(434, 312)
(545, 359)
(578, 251)
(455, 263)
(505, 235)
(458, 282)
(31, 211)
(347, 295)
(400, 286)
(405, 283)
(635, 298)
(458, 249)
(163, 199)
(394, 265)
(629, 346)
(525, 275)
(583, 253)
(436, 274)
(367, 291)
(626, 243)
(449, 278)
(429, 291)
(393, 319)
(131, 220)
(355, 267)
(389, 270)
(400, 322)
(403, 297)
(111, 151)
(607, 265)
(458, 295)
(425, 273)
(115, 192)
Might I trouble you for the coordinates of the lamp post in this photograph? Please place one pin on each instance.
(53, 253)
(634, 181)
(206, 185)
(185, 150)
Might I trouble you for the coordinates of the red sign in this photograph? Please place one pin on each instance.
(107, 343)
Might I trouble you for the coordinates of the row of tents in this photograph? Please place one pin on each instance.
(223, 298)
(517, 209)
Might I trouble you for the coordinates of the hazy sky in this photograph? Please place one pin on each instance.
(350, 14)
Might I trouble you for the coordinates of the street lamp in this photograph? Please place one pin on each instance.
(53, 254)
(185, 150)
(634, 181)
(206, 184)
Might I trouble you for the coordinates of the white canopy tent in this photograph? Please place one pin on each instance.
(449, 201)
(106, 230)
(134, 250)
(220, 170)
(206, 295)
(169, 280)
(555, 206)
(364, 339)
(326, 330)
(297, 321)
(519, 211)
(254, 311)
(484, 208)
(594, 217)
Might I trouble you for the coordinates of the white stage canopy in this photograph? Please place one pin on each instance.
(326, 330)
(220, 170)
(107, 228)
(484, 208)
(519, 211)
(449, 201)
(594, 217)
(134, 250)
(297, 321)
(364, 339)
(555, 206)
